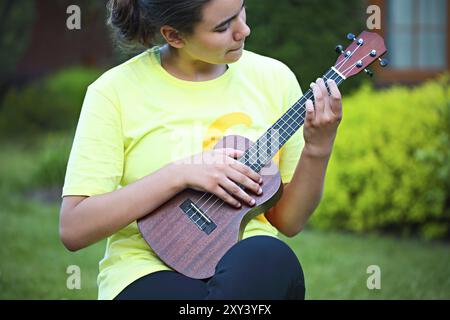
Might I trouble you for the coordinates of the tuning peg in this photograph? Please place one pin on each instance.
(351, 36)
(339, 49)
(369, 72)
(383, 62)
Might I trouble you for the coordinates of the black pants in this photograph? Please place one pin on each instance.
(259, 268)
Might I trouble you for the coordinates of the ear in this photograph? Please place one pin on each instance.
(172, 37)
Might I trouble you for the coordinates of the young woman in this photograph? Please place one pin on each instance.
(166, 104)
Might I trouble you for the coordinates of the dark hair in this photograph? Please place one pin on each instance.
(136, 23)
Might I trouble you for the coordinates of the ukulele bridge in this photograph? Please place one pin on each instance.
(197, 216)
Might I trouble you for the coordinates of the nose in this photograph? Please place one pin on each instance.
(242, 32)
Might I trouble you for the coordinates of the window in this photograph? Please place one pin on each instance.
(417, 34)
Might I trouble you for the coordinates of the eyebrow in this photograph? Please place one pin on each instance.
(229, 19)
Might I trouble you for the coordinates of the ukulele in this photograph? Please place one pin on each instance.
(192, 231)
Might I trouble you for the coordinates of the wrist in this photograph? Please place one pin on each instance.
(321, 153)
(177, 175)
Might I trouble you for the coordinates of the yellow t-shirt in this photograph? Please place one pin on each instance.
(136, 118)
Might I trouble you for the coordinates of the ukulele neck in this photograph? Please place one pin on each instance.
(267, 146)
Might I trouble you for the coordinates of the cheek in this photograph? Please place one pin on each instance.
(216, 42)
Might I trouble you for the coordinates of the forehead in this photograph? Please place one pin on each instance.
(217, 11)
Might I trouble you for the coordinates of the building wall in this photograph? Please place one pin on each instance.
(53, 46)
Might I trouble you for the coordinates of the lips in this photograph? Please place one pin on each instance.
(240, 47)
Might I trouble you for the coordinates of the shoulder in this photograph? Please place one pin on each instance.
(121, 75)
(269, 74)
(254, 62)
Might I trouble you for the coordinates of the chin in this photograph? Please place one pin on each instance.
(233, 56)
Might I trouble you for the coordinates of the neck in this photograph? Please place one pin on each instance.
(181, 66)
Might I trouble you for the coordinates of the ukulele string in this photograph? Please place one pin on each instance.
(338, 66)
(347, 57)
(296, 112)
(325, 77)
(350, 68)
(251, 157)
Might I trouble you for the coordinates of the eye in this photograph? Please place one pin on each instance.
(224, 28)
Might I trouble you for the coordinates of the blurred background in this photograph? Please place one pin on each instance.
(387, 194)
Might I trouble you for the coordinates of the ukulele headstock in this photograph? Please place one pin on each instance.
(362, 52)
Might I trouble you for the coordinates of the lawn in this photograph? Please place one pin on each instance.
(335, 266)
(34, 263)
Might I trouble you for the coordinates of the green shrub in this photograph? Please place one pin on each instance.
(51, 161)
(15, 168)
(35, 167)
(52, 104)
(390, 168)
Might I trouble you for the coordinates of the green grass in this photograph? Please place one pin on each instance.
(335, 266)
(33, 262)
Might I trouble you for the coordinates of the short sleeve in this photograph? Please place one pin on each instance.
(291, 151)
(96, 159)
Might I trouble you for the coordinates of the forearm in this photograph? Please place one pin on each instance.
(301, 196)
(98, 217)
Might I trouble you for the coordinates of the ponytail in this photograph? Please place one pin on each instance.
(136, 23)
(129, 24)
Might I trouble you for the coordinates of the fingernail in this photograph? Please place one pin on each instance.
(252, 203)
(259, 190)
(260, 180)
(238, 204)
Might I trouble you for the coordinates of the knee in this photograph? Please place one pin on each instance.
(273, 254)
(260, 266)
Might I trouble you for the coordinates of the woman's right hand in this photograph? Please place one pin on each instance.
(218, 172)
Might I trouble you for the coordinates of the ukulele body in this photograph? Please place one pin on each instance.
(191, 234)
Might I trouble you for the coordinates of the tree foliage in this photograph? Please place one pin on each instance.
(304, 33)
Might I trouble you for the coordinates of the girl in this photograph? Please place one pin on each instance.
(171, 102)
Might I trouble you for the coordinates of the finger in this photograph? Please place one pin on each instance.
(233, 189)
(244, 181)
(233, 153)
(318, 99)
(335, 98)
(226, 197)
(324, 93)
(223, 156)
(310, 114)
(247, 171)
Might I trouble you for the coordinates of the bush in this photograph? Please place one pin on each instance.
(34, 168)
(53, 104)
(390, 168)
(51, 161)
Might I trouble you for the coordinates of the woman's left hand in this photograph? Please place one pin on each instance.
(322, 119)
